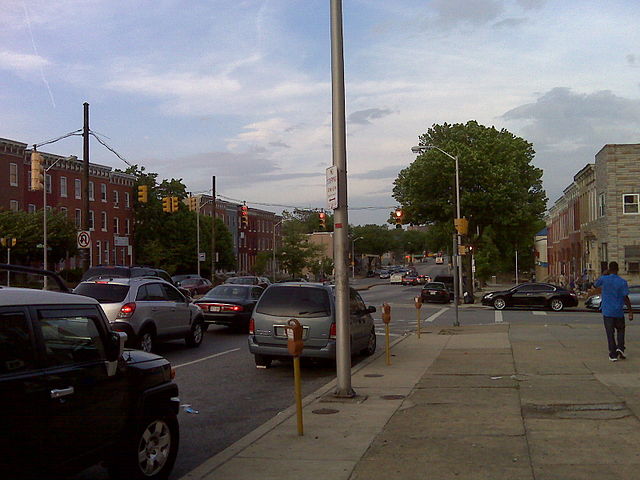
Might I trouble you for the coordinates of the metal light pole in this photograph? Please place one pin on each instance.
(353, 256)
(457, 271)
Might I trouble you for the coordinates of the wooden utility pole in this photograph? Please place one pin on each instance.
(213, 230)
(85, 155)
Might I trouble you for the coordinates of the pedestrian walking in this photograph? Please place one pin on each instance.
(614, 292)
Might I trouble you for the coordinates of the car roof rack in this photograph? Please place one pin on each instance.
(37, 271)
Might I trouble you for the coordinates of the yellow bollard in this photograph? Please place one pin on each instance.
(418, 301)
(298, 393)
(295, 346)
(386, 318)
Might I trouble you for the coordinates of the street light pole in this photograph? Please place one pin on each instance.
(353, 256)
(457, 264)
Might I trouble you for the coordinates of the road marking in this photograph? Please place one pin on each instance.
(535, 312)
(498, 316)
(436, 315)
(207, 358)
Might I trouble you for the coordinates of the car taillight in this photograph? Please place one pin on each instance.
(127, 310)
(252, 327)
(173, 373)
(332, 331)
(234, 308)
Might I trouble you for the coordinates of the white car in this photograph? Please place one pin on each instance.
(439, 260)
(396, 278)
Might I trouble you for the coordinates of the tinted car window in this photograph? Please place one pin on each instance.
(70, 338)
(227, 291)
(16, 347)
(172, 294)
(241, 281)
(154, 292)
(295, 301)
(103, 292)
(256, 293)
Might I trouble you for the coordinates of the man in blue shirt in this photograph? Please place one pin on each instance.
(614, 292)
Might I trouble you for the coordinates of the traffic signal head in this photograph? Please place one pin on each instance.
(398, 214)
(166, 204)
(323, 220)
(244, 216)
(193, 203)
(37, 171)
(462, 225)
(143, 193)
(174, 204)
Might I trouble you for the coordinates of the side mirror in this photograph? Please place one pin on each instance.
(114, 349)
(371, 309)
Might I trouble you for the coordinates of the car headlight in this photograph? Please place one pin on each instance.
(488, 295)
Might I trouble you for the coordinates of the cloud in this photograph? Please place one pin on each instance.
(380, 173)
(450, 13)
(364, 117)
(21, 62)
(279, 144)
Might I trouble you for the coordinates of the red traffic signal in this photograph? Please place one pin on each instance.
(244, 216)
(323, 220)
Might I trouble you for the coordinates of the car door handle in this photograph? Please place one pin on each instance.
(61, 392)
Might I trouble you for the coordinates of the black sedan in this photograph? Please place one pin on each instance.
(435, 292)
(533, 295)
(230, 305)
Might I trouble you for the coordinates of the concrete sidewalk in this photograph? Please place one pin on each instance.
(473, 402)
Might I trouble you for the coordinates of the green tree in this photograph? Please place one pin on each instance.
(263, 262)
(297, 253)
(499, 187)
(305, 221)
(376, 240)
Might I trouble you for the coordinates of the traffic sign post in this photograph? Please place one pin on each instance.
(84, 239)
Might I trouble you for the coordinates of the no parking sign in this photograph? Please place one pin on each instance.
(84, 239)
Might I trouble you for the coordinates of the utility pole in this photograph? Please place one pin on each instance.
(213, 231)
(85, 155)
(341, 218)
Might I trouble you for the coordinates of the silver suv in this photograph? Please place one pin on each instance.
(313, 305)
(147, 309)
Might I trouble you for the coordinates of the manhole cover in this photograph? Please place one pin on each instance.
(374, 375)
(325, 411)
(392, 397)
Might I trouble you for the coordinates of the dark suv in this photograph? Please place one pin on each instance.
(72, 396)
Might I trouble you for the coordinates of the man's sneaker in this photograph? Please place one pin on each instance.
(613, 359)
(621, 354)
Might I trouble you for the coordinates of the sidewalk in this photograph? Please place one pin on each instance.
(472, 402)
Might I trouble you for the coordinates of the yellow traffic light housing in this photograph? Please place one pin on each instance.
(462, 249)
(244, 216)
(462, 225)
(193, 203)
(143, 193)
(174, 204)
(166, 204)
(322, 217)
(398, 215)
(37, 171)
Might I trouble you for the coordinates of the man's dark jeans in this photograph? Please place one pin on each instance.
(611, 324)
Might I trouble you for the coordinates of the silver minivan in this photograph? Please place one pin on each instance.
(313, 305)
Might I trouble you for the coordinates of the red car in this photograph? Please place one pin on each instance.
(196, 286)
(410, 279)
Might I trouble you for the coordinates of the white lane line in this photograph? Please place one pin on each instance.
(436, 315)
(207, 358)
(498, 316)
(539, 313)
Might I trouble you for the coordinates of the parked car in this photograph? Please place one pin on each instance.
(396, 278)
(593, 302)
(535, 295)
(410, 279)
(72, 399)
(448, 281)
(230, 305)
(263, 282)
(176, 279)
(147, 309)
(313, 305)
(435, 292)
(122, 271)
(439, 260)
(384, 274)
(196, 286)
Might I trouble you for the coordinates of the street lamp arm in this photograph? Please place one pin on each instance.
(422, 148)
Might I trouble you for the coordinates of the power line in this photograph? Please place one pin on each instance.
(108, 147)
(59, 138)
(263, 204)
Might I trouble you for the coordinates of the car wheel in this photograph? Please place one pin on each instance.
(262, 361)
(146, 340)
(556, 304)
(370, 349)
(194, 337)
(499, 303)
(152, 451)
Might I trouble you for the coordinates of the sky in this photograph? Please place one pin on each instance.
(241, 89)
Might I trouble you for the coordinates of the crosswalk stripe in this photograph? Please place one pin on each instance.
(536, 312)
(436, 315)
(499, 316)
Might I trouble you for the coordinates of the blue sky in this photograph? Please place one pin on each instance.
(242, 89)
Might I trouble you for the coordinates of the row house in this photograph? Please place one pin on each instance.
(597, 219)
(111, 216)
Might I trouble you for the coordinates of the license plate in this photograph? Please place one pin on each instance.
(433, 293)
(214, 309)
(280, 331)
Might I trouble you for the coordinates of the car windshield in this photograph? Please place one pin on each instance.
(103, 292)
(189, 281)
(434, 285)
(226, 291)
(242, 280)
(291, 301)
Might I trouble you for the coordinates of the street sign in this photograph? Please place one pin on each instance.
(332, 187)
(84, 239)
(202, 256)
(120, 241)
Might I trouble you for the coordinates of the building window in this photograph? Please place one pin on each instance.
(91, 191)
(63, 186)
(601, 205)
(633, 267)
(127, 226)
(47, 181)
(116, 226)
(31, 208)
(91, 219)
(103, 221)
(29, 180)
(116, 198)
(13, 174)
(630, 203)
(78, 187)
(127, 200)
(13, 205)
(64, 210)
(103, 192)
(78, 218)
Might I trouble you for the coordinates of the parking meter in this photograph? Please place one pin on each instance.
(294, 337)
(418, 301)
(386, 313)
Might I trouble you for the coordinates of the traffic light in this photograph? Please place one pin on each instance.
(193, 203)
(244, 216)
(323, 220)
(462, 225)
(37, 171)
(143, 193)
(398, 217)
(174, 204)
(166, 204)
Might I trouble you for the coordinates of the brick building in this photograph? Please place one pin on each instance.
(111, 219)
(597, 219)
